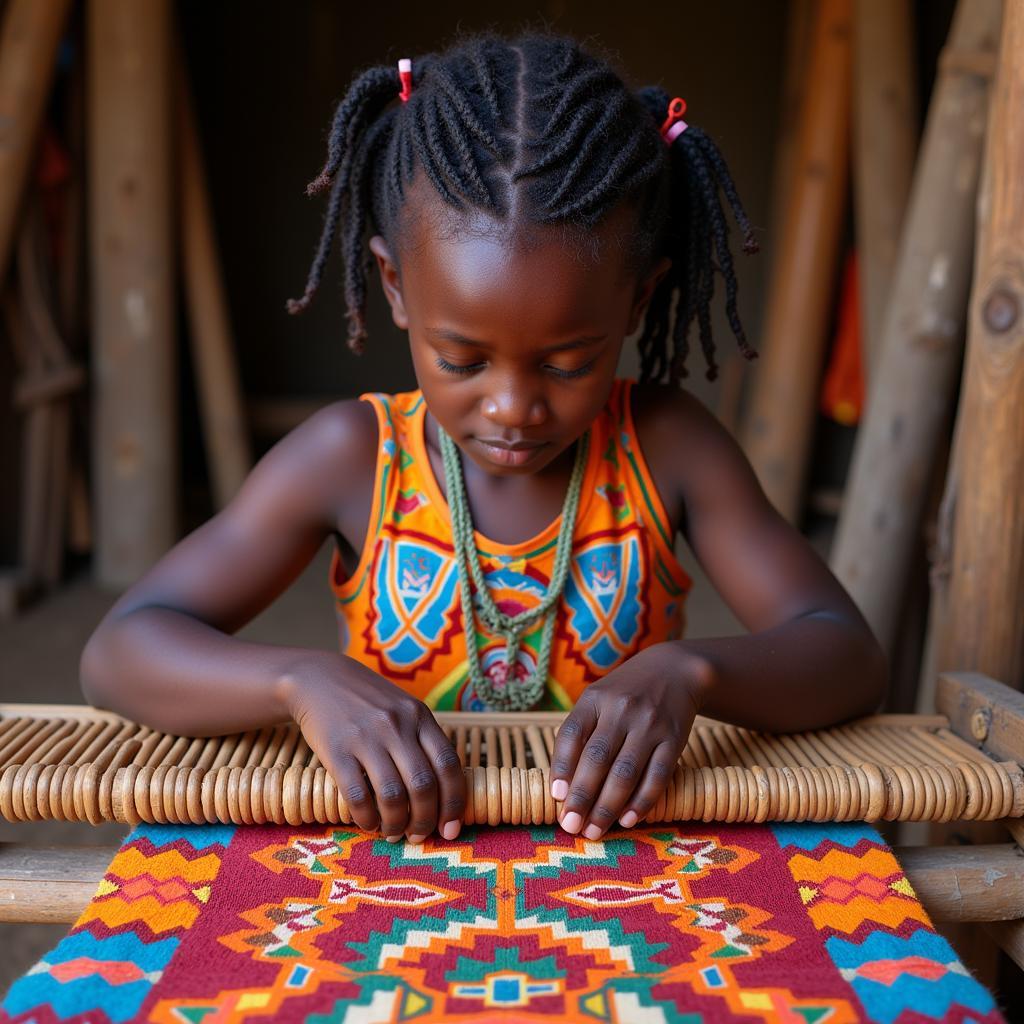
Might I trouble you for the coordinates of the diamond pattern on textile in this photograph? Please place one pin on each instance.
(673, 924)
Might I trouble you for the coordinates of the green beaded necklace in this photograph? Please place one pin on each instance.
(517, 695)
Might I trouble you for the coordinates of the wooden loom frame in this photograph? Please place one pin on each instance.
(70, 762)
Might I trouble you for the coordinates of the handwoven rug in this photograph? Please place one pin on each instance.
(670, 924)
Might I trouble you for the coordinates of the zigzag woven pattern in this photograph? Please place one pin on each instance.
(679, 924)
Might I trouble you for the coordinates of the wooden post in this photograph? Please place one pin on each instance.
(228, 450)
(779, 428)
(985, 630)
(800, 18)
(885, 140)
(134, 372)
(28, 51)
(909, 402)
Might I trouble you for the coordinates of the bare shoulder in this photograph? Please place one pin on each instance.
(691, 456)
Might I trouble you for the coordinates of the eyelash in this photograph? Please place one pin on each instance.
(462, 371)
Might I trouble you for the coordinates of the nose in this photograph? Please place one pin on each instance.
(515, 406)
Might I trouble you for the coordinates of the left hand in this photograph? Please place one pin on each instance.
(619, 746)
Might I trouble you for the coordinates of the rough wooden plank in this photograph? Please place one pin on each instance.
(135, 433)
(984, 712)
(986, 585)
(910, 396)
(28, 53)
(967, 883)
(49, 884)
(779, 428)
(885, 142)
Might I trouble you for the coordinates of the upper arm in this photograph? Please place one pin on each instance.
(229, 569)
(765, 570)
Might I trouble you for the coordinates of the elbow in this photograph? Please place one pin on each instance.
(875, 673)
(93, 670)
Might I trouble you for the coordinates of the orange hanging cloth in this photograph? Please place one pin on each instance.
(842, 394)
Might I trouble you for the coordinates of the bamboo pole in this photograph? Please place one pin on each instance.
(885, 140)
(779, 427)
(135, 380)
(225, 430)
(908, 406)
(986, 586)
(28, 50)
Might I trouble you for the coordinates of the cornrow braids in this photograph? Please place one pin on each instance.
(536, 129)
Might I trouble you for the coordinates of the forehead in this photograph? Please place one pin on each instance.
(468, 264)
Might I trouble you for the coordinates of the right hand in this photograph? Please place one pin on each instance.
(356, 721)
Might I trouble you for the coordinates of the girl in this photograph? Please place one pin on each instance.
(526, 213)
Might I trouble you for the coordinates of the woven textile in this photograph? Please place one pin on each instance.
(675, 924)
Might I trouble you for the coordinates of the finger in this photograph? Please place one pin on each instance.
(451, 779)
(591, 771)
(572, 736)
(390, 793)
(659, 770)
(421, 785)
(355, 788)
(620, 784)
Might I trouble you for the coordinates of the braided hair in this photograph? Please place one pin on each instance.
(535, 129)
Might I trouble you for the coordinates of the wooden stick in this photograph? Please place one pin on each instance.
(228, 449)
(908, 404)
(885, 142)
(779, 427)
(986, 593)
(28, 51)
(135, 408)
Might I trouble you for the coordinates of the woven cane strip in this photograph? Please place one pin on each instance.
(80, 764)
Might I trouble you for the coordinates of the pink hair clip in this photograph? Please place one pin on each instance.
(405, 74)
(673, 126)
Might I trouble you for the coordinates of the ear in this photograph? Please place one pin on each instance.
(645, 290)
(390, 281)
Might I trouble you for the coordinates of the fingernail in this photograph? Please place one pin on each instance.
(393, 839)
(559, 789)
(592, 831)
(451, 829)
(571, 822)
(628, 820)
(416, 839)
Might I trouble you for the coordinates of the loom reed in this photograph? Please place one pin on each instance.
(80, 764)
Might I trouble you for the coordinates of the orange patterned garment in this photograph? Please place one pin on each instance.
(399, 613)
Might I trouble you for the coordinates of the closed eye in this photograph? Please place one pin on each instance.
(453, 368)
(580, 371)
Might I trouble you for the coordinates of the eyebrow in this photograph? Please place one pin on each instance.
(565, 346)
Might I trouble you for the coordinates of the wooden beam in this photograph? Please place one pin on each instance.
(50, 884)
(967, 883)
(984, 712)
(884, 145)
(985, 630)
(135, 462)
(28, 52)
(910, 400)
(779, 428)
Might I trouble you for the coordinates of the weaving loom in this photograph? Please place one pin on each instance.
(714, 917)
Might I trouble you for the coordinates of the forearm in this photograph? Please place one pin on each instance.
(176, 674)
(807, 673)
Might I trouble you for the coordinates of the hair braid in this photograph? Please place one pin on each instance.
(537, 128)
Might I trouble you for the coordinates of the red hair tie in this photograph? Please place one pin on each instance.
(405, 74)
(673, 126)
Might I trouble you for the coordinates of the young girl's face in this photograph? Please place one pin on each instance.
(515, 334)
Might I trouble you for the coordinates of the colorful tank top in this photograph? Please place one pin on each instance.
(399, 613)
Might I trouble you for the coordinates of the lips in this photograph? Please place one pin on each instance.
(509, 453)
